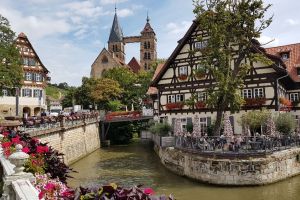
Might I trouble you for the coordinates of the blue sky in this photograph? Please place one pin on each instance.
(69, 34)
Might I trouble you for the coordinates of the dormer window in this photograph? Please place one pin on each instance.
(285, 56)
(201, 45)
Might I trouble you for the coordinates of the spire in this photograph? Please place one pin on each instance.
(148, 19)
(116, 34)
(148, 27)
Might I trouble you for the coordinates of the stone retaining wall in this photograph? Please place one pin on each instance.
(251, 171)
(74, 142)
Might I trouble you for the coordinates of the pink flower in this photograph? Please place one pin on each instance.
(5, 133)
(50, 186)
(6, 144)
(25, 149)
(149, 191)
(42, 149)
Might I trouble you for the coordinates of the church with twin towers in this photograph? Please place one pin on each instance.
(114, 55)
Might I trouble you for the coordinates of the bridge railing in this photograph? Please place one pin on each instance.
(17, 185)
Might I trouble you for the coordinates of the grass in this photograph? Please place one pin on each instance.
(54, 92)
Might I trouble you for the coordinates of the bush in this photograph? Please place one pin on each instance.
(161, 129)
(285, 123)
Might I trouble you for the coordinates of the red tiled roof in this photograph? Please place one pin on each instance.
(294, 58)
(153, 90)
(134, 65)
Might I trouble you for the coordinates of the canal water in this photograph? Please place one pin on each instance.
(138, 164)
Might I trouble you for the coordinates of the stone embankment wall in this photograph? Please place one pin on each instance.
(251, 171)
(75, 142)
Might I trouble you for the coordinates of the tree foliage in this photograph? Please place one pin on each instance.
(230, 50)
(10, 64)
(285, 123)
(255, 119)
(105, 89)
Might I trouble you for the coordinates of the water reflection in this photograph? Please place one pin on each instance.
(138, 164)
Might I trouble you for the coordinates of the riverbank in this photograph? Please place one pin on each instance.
(138, 164)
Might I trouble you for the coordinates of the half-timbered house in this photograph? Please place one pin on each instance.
(265, 86)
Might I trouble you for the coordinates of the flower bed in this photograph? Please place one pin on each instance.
(118, 114)
(255, 102)
(51, 173)
(174, 106)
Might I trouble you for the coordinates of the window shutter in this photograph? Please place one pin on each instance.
(30, 92)
(231, 119)
(173, 124)
(41, 93)
(208, 121)
(189, 121)
(23, 92)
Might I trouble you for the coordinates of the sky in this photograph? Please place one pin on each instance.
(68, 35)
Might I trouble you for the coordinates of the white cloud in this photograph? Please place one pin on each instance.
(292, 22)
(178, 29)
(125, 12)
(105, 2)
(85, 8)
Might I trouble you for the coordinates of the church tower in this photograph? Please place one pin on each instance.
(115, 42)
(148, 53)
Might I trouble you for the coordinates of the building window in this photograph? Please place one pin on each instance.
(247, 93)
(183, 124)
(31, 62)
(27, 93)
(4, 92)
(147, 45)
(179, 97)
(203, 125)
(258, 93)
(25, 61)
(38, 77)
(37, 93)
(202, 96)
(285, 56)
(294, 97)
(183, 70)
(201, 45)
(28, 76)
(171, 98)
(104, 59)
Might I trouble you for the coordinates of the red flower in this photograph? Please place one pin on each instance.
(149, 191)
(25, 149)
(16, 140)
(41, 195)
(42, 149)
(6, 144)
(7, 152)
(67, 193)
(5, 133)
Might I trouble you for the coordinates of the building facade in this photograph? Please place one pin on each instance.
(30, 99)
(265, 86)
(116, 50)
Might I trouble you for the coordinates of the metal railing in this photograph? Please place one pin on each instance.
(236, 144)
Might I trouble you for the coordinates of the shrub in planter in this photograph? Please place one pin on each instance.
(285, 123)
(200, 104)
(200, 73)
(161, 129)
(182, 77)
(174, 106)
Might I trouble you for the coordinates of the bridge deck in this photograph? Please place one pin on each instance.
(127, 119)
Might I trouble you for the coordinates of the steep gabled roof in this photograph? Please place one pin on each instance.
(186, 37)
(116, 34)
(153, 90)
(134, 65)
(108, 53)
(148, 28)
(293, 62)
(23, 36)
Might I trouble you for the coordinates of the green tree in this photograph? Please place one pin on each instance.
(231, 27)
(10, 64)
(285, 123)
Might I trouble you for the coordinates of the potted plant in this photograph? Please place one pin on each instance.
(255, 101)
(285, 101)
(174, 106)
(200, 72)
(200, 104)
(182, 77)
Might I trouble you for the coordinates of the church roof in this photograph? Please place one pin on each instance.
(116, 34)
(134, 65)
(148, 28)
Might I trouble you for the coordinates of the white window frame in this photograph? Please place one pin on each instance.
(27, 92)
(36, 93)
(38, 77)
(183, 70)
(203, 124)
(183, 124)
(28, 76)
(179, 97)
(4, 92)
(294, 97)
(258, 93)
(201, 45)
(171, 98)
(247, 93)
(202, 96)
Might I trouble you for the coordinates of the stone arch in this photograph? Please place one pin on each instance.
(26, 112)
(37, 111)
